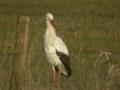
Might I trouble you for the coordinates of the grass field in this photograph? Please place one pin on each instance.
(90, 29)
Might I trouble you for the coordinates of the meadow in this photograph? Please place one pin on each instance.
(90, 29)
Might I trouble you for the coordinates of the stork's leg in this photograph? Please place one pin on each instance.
(54, 73)
(56, 76)
(59, 74)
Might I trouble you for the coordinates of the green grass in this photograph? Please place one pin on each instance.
(88, 27)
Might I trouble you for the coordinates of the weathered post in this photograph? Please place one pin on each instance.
(19, 78)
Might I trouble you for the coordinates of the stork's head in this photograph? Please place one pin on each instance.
(50, 20)
(50, 17)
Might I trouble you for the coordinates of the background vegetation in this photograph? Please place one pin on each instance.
(90, 29)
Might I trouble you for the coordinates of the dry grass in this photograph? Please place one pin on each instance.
(113, 71)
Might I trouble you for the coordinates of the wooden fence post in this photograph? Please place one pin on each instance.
(19, 78)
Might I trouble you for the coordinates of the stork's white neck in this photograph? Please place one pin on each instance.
(50, 34)
(50, 26)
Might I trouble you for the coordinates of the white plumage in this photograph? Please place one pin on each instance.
(55, 49)
(60, 45)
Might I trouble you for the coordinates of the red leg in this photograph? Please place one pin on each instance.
(56, 77)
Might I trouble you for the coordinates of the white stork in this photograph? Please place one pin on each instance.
(56, 50)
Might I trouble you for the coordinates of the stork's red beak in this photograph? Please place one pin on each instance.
(54, 24)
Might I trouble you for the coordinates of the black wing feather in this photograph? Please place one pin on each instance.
(65, 60)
